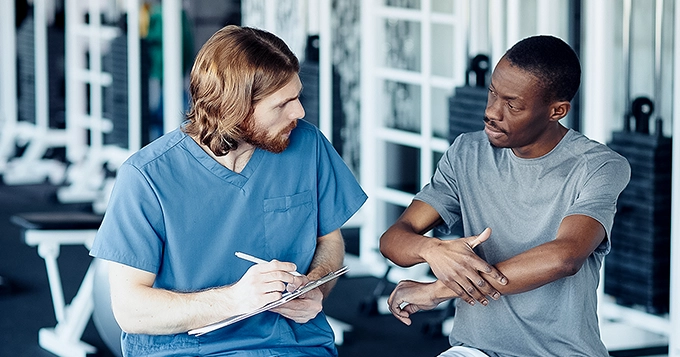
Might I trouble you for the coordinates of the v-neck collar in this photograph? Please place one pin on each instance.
(207, 161)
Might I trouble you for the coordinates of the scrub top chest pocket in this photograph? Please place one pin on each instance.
(290, 227)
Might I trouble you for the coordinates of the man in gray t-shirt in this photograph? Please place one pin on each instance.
(542, 196)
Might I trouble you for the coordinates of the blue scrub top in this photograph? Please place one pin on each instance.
(179, 214)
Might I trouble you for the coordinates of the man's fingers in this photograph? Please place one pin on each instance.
(464, 293)
(398, 306)
(480, 281)
(487, 289)
(492, 273)
(472, 287)
(274, 287)
(486, 268)
(474, 241)
(471, 293)
(283, 266)
(298, 282)
(405, 320)
(402, 311)
(283, 276)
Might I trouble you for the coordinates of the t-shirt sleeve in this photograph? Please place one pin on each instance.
(442, 191)
(339, 194)
(598, 196)
(132, 226)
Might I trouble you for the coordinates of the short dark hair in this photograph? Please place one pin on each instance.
(552, 61)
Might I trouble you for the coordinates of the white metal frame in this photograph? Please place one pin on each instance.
(38, 137)
(325, 64)
(173, 92)
(674, 314)
(374, 135)
(479, 27)
(599, 100)
(505, 29)
(134, 78)
(86, 179)
(85, 175)
(64, 338)
(8, 84)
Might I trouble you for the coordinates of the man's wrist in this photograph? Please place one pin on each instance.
(428, 247)
(441, 292)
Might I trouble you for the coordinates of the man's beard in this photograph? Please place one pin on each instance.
(261, 139)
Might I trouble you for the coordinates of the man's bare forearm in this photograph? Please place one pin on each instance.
(143, 309)
(577, 237)
(404, 243)
(329, 256)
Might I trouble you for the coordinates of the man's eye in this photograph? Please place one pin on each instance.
(511, 106)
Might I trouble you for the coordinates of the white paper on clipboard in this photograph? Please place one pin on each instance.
(284, 299)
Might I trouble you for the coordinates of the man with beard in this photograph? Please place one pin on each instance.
(242, 173)
(543, 197)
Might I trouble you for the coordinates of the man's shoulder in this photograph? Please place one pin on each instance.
(593, 155)
(157, 148)
(581, 145)
(470, 141)
(473, 136)
(305, 136)
(307, 129)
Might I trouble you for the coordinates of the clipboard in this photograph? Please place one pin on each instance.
(288, 296)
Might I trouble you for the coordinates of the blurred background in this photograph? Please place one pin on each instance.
(84, 84)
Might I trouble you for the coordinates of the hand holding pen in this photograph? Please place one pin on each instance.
(256, 260)
(290, 287)
(265, 282)
(301, 309)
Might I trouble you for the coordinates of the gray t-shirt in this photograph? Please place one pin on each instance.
(524, 202)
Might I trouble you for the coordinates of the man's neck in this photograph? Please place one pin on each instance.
(549, 141)
(234, 160)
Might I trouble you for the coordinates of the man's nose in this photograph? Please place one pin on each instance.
(299, 111)
(493, 110)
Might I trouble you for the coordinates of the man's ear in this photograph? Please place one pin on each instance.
(559, 110)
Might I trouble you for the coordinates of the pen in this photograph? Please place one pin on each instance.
(257, 260)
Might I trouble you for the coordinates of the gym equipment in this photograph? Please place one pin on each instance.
(35, 133)
(88, 42)
(310, 96)
(8, 85)
(467, 105)
(48, 232)
(637, 270)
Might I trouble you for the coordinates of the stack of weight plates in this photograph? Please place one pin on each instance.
(26, 70)
(637, 270)
(466, 110)
(309, 98)
(115, 62)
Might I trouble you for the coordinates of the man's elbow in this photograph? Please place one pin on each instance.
(391, 253)
(128, 317)
(386, 248)
(570, 266)
(125, 321)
